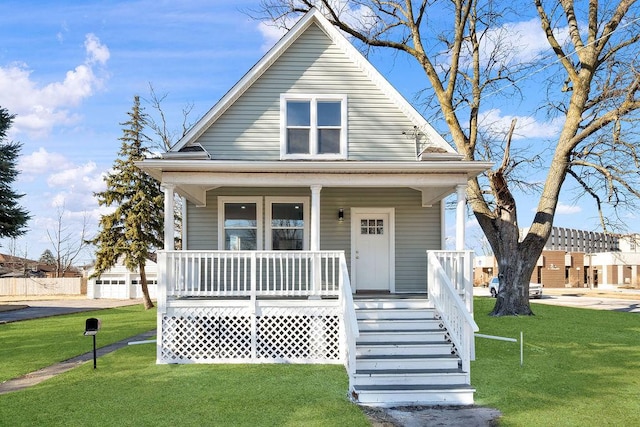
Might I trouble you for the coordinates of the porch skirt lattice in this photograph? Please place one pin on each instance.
(237, 335)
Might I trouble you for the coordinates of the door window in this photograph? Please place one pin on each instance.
(371, 226)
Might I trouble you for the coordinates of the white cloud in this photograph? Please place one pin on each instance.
(73, 186)
(518, 42)
(39, 109)
(361, 17)
(96, 51)
(83, 177)
(563, 209)
(270, 33)
(42, 162)
(526, 126)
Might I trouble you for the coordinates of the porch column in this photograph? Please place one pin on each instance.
(461, 191)
(315, 218)
(169, 232)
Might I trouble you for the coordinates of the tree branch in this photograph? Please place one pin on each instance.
(553, 42)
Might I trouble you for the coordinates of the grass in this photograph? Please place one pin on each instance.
(581, 367)
(129, 389)
(31, 345)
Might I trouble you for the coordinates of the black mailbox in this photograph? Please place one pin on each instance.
(91, 328)
(92, 325)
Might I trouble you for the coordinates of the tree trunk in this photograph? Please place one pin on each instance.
(516, 260)
(145, 290)
(513, 295)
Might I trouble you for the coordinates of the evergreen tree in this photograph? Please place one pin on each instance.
(47, 258)
(134, 230)
(13, 218)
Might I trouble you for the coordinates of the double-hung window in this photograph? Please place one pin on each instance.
(240, 223)
(287, 224)
(243, 227)
(313, 126)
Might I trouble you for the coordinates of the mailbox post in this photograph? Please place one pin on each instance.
(91, 327)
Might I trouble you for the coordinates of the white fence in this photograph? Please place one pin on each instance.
(250, 273)
(28, 286)
(449, 299)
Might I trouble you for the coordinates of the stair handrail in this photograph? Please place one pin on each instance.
(350, 321)
(452, 309)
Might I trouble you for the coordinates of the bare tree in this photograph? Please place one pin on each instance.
(591, 79)
(67, 244)
(168, 137)
(158, 124)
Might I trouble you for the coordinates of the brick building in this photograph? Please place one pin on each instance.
(576, 258)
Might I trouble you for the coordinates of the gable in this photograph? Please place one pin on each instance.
(246, 126)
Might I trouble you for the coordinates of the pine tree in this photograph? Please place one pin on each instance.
(134, 230)
(47, 258)
(13, 218)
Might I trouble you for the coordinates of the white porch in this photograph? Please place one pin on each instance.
(280, 306)
(298, 307)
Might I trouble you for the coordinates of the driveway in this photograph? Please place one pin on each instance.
(626, 300)
(14, 309)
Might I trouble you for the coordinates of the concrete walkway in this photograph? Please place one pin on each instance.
(45, 373)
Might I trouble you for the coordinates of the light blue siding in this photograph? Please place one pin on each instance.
(250, 128)
(417, 229)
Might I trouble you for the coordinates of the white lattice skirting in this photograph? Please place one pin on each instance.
(234, 334)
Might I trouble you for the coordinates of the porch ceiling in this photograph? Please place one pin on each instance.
(193, 179)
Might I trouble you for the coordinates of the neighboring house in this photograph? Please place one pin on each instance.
(313, 224)
(577, 258)
(120, 283)
(13, 266)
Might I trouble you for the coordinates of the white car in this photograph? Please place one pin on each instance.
(535, 289)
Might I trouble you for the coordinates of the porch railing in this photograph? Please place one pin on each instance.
(351, 331)
(458, 266)
(447, 288)
(249, 275)
(252, 273)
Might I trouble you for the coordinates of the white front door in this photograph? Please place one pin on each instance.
(372, 260)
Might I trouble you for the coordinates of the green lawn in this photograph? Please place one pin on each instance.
(581, 367)
(31, 345)
(129, 389)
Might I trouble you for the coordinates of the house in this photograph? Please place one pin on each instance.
(13, 266)
(120, 283)
(313, 228)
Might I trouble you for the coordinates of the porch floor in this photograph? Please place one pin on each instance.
(387, 295)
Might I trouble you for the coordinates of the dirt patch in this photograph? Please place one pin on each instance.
(379, 418)
(444, 416)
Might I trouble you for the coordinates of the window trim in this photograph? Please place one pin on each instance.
(269, 201)
(222, 200)
(313, 134)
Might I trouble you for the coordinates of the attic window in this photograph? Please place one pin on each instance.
(313, 127)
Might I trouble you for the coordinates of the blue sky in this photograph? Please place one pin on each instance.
(70, 70)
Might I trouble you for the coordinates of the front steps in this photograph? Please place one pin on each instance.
(403, 356)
